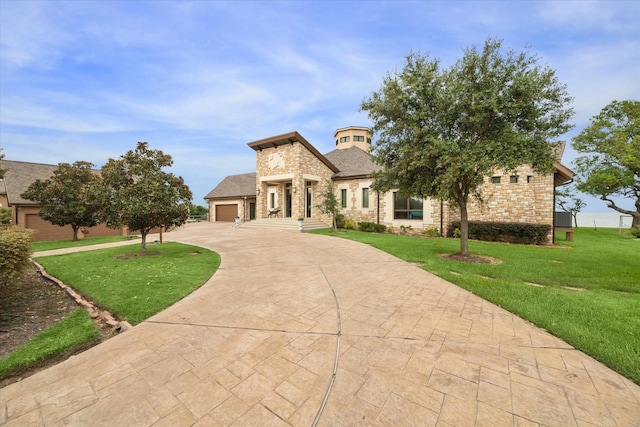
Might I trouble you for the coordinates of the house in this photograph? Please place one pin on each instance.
(18, 177)
(290, 174)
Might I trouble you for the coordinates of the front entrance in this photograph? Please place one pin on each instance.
(252, 211)
(287, 201)
(307, 202)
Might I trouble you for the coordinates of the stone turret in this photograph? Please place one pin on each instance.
(353, 136)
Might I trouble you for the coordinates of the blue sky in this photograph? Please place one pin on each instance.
(84, 80)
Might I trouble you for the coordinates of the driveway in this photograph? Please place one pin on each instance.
(299, 329)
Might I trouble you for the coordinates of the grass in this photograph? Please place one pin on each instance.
(60, 244)
(600, 318)
(131, 286)
(74, 331)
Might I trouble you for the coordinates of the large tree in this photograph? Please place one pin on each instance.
(69, 197)
(141, 195)
(442, 131)
(610, 167)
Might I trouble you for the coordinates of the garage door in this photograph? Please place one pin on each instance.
(47, 231)
(226, 212)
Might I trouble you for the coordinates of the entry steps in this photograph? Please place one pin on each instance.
(284, 224)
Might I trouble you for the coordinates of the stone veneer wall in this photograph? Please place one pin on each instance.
(290, 164)
(354, 209)
(530, 200)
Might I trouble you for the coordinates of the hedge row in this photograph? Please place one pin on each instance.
(15, 249)
(371, 227)
(509, 232)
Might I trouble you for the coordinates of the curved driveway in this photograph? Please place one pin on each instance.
(299, 329)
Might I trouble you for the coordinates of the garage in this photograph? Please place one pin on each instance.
(46, 230)
(226, 212)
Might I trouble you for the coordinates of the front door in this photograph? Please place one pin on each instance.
(252, 211)
(308, 202)
(287, 201)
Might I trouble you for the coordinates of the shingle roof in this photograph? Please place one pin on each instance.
(352, 162)
(20, 175)
(235, 186)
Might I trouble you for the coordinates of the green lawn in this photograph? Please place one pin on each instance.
(602, 318)
(59, 244)
(73, 332)
(131, 286)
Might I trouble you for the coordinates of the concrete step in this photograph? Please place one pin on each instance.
(284, 224)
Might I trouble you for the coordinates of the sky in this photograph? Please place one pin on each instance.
(86, 80)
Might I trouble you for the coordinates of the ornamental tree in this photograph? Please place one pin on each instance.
(329, 204)
(71, 196)
(442, 131)
(610, 167)
(141, 195)
(568, 202)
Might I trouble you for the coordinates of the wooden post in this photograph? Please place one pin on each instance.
(161, 234)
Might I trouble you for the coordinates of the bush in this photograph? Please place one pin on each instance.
(340, 221)
(5, 216)
(15, 249)
(371, 227)
(508, 232)
(431, 232)
(636, 232)
(350, 224)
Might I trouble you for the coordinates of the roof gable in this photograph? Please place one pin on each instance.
(20, 175)
(234, 186)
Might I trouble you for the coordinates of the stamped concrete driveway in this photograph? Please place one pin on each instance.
(298, 329)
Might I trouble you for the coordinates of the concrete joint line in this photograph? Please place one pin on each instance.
(335, 362)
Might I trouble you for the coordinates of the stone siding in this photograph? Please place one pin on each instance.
(290, 165)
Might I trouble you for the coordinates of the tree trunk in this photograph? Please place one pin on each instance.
(143, 244)
(464, 229)
(75, 232)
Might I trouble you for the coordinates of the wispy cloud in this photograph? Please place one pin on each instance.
(199, 79)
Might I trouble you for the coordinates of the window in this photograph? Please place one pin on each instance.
(529, 179)
(404, 208)
(343, 197)
(358, 138)
(513, 179)
(336, 142)
(495, 180)
(344, 139)
(365, 197)
(369, 140)
(273, 200)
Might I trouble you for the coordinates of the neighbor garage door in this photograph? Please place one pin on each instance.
(226, 212)
(47, 231)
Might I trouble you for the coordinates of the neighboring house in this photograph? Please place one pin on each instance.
(290, 176)
(18, 177)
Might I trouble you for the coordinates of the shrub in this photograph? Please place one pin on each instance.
(404, 229)
(15, 249)
(431, 232)
(636, 232)
(340, 221)
(371, 227)
(350, 224)
(509, 232)
(5, 216)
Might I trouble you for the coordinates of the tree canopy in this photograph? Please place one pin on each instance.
(69, 197)
(610, 167)
(442, 131)
(142, 196)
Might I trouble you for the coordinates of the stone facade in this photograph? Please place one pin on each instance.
(291, 175)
